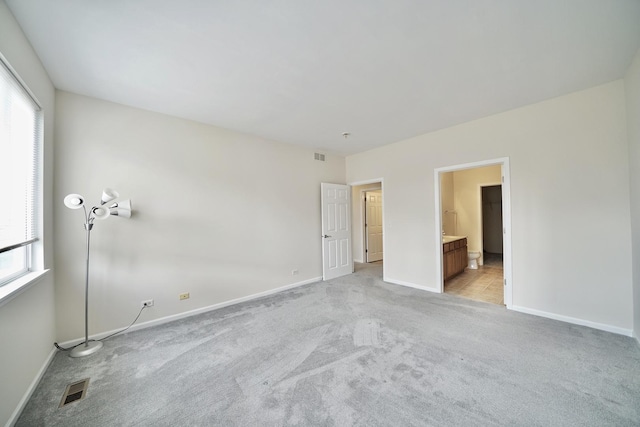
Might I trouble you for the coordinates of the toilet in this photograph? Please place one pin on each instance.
(473, 260)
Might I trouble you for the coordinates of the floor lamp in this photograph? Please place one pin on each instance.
(116, 208)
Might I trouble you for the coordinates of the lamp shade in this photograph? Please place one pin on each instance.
(108, 195)
(101, 213)
(74, 201)
(121, 212)
(123, 204)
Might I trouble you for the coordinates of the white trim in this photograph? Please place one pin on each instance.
(21, 82)
(506, 220)
(19, 285)
(410, 285)
(438, 221)
(507, 257)
(574, 320)
(197, 311)
(32, 387)
(367, 181)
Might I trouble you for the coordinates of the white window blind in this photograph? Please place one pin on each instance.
(20, 132)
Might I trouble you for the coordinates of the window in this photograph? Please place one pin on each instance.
(20, 135)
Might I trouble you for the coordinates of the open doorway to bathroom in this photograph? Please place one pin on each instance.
(473, 215)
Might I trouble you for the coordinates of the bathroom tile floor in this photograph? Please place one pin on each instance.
(483, 284)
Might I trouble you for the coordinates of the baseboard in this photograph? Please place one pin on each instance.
(410, 285)
(190, 313)
(575, 321)
(32, 387)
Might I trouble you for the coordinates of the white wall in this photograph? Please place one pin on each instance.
(357, 216)
(218, 214)
(26, 322)
(632, 91)
(569, 198)
(467, 202)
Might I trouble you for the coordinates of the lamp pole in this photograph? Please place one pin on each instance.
(88, 347)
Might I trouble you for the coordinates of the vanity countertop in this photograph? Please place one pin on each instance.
(448, 239)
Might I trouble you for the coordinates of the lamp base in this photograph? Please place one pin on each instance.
(86, 349)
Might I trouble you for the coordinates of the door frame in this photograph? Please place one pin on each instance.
(506, 220)
(384, 217)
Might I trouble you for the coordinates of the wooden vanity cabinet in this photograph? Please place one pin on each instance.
(454, 258)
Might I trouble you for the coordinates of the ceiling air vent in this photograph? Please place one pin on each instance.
(74, 392)
(318, 156)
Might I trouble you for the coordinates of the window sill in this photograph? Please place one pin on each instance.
(19, 285)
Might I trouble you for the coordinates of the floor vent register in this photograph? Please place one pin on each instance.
(74, 392)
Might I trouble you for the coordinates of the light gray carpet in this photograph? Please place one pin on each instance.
(351, 351)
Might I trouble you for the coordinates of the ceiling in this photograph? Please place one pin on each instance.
(304, 72)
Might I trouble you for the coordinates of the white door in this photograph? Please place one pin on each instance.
(336, 230)
(373, 225)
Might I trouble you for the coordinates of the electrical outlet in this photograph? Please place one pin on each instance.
(184, 296)
(294, 272)
(147, 303)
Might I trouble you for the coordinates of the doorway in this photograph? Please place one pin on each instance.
(462, 211)
(368, 224)
(483, 277)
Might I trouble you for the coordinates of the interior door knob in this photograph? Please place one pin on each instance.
(326, 235)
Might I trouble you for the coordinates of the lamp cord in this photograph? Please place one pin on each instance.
(108, 336)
